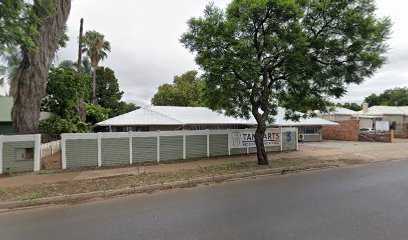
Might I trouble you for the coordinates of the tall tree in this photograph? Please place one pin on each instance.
(186, 90)
(96, 48)
(390, 97)
(64, 89)
(108, 92)
(33, 72)
(259, 54)
(351, 106)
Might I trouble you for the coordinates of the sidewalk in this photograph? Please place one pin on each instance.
(346, 151)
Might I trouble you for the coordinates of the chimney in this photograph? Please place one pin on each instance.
(365, 107)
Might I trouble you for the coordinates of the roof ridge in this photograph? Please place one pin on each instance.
(164, 115)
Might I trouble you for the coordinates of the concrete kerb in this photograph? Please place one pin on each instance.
(79, 197)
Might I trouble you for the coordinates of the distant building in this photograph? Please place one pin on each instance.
(6, 125)
(168, 118)
(368, 116)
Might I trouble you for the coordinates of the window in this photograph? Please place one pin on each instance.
(310, 130)
(24, 153)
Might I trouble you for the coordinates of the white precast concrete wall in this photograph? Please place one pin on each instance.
(10, 149)
(50, 148)
(106, 149)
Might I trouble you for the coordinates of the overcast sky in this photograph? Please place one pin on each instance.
(146, 52)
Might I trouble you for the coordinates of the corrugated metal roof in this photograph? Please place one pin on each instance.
(6, 104)
(169, 115)
(386, 110)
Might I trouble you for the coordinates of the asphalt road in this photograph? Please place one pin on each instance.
(368, 202)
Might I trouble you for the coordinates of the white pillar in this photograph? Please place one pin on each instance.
(158, 145)
(229, 142)
(184, 145)
(99, 149)
(63, 152)
(37, 152)
(297, 140)
(130, 148)
(1, 153)
(208, 143)
(281, 139)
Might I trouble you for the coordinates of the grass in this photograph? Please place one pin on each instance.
(30, 192)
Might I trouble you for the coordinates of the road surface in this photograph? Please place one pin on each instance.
(366, 202)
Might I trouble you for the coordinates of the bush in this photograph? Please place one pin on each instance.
(57, 125)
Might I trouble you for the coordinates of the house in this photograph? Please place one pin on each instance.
(6, 124)
(6, 104)
(368, 117)
(169, 118)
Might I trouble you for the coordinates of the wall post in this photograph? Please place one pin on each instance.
(37, 152)
(63, 152)
(130, 148)
(281, 139)
(208, 143)
(184, 145)
(297, 138)
(1, 153)
(158, 145)
(229, 142)
(99, 149)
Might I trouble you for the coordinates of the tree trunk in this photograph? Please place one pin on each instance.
(260, 147)
(94, 100)
(259, 136)
(33, 72)
(80, 109)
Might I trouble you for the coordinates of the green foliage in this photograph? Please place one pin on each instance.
(11, 56)
(108, 93)
(95, 46)
(259, 54)
(186, 90)
(351, 106)
(96, 113)
(390, 97)
(64, 89)
(57, 125)
(107, 88)
(122, 108)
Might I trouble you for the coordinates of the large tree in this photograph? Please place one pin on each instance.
(259, 54)
(65, 88)
(390, 97)
(186, 90)
(48, 18)
(108, 93)
(96, 47)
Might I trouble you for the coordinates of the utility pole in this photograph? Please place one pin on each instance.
(80, 45)
(81, 105)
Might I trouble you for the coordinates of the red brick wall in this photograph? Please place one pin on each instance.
(346, 131)
(375, 137)
(404, 132)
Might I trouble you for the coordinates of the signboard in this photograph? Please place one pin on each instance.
(246, 138)
(289, 136)
(382, 126)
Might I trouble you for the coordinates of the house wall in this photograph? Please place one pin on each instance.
(6, 128)
(346, 131)
(336, 117)
(366, 123)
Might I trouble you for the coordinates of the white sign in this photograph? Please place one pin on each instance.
(382, 126)
(246, 138)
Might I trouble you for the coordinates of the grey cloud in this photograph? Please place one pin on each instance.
(146, 51)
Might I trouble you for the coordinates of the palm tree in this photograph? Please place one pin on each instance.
(96, 48)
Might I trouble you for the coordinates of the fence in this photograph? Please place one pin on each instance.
(119, 148)
(20, 153)
(49, 148)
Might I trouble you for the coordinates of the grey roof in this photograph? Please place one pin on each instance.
(169, 115)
